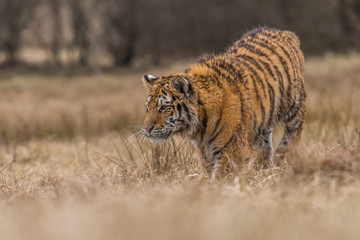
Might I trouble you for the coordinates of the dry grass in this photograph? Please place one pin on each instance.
(70, 168)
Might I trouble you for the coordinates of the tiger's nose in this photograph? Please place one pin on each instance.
(148, 129)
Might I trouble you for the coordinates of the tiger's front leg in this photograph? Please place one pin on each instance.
(220, 155)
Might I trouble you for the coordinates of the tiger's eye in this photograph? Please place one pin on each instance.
(163, 108)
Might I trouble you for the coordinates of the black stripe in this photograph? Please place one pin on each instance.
(268, 68)
(217, 152)
(212, 68)
(273, 51)
(252, 60)
(204, 120)
(217, 122)
(297, 54)
(216, 81)
(258, 133)
(227, 66)
(171, 123)
(257, 66)
(281, 90)
(186, 110)
(258, 78)
(289, 57)
(232, 82)
(220, 150)
(179, 109)
(232, 71)
(242, 101)
(269, 34)
(272, 103)
(254, 124)
(215, 136)
(278, 74)
(270, 88)
(256, 51)
(220, 74)
(259, 99)
(292, 112)
(190, 89)
(230, 139)
(265, 44)
(288, 92)
(231, 74)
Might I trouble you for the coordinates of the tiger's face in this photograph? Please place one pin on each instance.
(167, 107)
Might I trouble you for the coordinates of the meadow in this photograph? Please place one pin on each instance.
(72, 165)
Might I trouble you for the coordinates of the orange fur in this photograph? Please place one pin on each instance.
(228, 104)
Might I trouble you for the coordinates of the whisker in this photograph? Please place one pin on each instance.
(134, 134)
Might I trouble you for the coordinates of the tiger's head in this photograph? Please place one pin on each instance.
(169, 107)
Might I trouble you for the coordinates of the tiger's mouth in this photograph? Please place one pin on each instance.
(158, 135)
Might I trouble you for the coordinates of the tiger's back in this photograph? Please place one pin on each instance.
(275, 68)
(228, 104)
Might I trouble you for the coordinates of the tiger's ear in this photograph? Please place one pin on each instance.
(149, 80)
(181, 85)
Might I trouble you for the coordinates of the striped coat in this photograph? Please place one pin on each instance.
(228, 104)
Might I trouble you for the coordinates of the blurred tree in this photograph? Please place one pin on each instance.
(156, 31)
(14, 18)
(349, 15)
(120, 29)
(56, 41)
(80, 27)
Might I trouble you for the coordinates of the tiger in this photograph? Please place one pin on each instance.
(228, 104)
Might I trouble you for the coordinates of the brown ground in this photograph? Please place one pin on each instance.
(80, 174)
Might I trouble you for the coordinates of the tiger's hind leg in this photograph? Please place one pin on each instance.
(268, 148)
(293, 129)
(265, 148)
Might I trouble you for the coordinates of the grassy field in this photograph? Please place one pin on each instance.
(71, 166)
